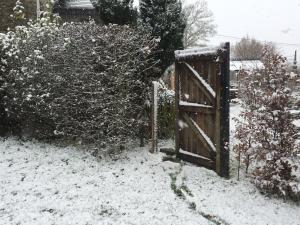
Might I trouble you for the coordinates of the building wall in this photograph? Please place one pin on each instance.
(77, 15)
(7, 6)
(6, 9)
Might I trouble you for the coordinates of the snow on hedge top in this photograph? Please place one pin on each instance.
(82, 4)
(187, 53)
(246, 65)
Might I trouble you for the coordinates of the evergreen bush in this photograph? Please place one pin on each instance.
(77, 81)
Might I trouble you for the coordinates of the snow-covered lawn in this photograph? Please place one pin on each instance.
(43, 184)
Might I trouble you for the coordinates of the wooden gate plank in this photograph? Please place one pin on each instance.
(196, 159)
(200, 134)
(195, 107)
(203, 85)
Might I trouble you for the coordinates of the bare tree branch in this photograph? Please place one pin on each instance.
(199, 24)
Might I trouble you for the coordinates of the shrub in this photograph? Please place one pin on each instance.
(77, 81)
(166, 22)
(266, 135)
(166, 113)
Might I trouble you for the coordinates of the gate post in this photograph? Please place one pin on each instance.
(177, 97)
(223, 151)
(154, 117)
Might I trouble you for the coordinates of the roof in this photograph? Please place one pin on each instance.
(246, 65)
(80, 4)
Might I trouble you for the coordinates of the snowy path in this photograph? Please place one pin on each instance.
(46, 185)
(238, 203)
(42, 184)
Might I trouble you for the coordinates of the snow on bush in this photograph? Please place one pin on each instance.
(76, 81)
(266, 135)
(166, 112)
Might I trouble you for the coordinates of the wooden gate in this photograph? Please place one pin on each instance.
(202, 107)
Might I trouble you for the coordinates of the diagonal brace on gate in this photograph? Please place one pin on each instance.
(203, 85)
(200, 134)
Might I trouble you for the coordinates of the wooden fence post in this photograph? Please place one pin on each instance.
(154, 117)
(177, 98)
(225, 82)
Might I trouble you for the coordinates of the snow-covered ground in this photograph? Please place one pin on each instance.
(43, 184)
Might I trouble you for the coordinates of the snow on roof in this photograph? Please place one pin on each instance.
(246, 65)
(81, 4)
